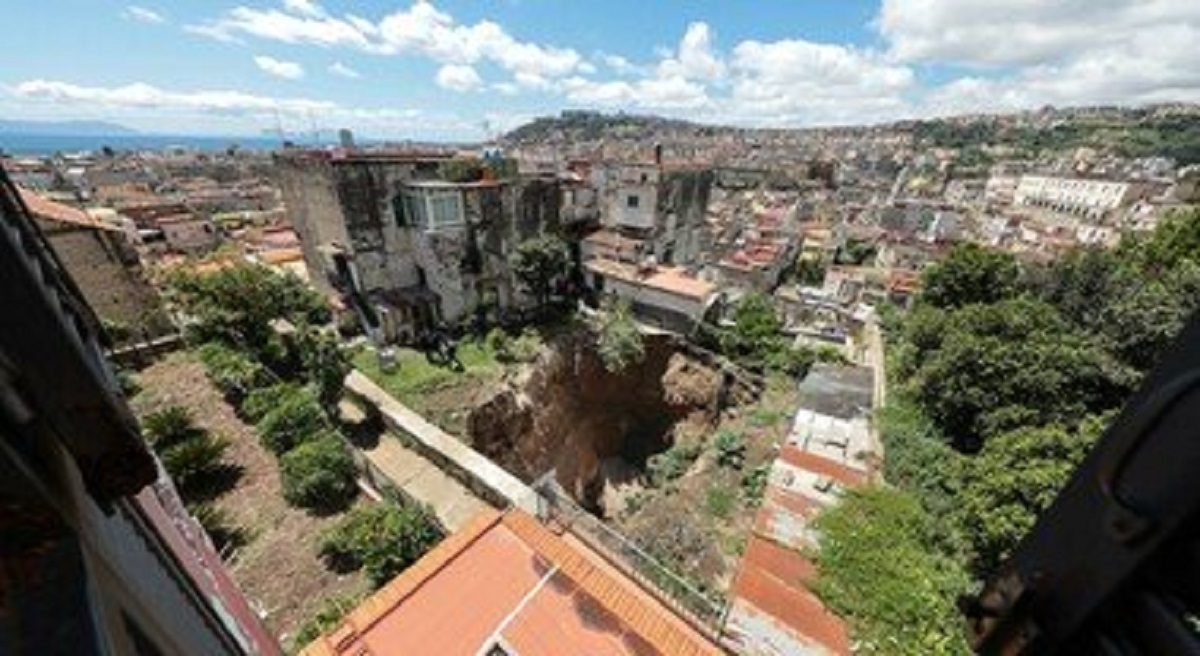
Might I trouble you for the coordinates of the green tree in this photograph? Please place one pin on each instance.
(1014, 363)
(879, 568)
(970, 274)
(619, 342)
(383, 539)
(1014, 479)
(319, 474)
(324, 362)
(756, 331)
(539, 263)
(236, 306)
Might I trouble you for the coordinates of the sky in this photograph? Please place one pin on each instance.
(466, 69)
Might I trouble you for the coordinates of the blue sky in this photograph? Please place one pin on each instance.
(442, 70)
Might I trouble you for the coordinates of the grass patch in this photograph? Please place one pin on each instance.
(415, 375)
(720, 502)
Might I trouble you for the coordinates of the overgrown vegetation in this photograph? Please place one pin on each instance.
(382, 539)
(619, 342)
(756, 340)
(540, 264)
(1004, 378)
(327, 617)
(879, 568)
(1135, 135)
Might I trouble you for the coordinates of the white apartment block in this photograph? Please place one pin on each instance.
(1090, 198)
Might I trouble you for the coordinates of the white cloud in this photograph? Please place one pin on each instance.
(796, 81)
(226, 111)
(1020, 32)
(420, 29)
(143, 15)
(140, 95)
(695, 59)
(341, 70)
(1065, 52)
(458, 77)
(287, 70)
(304, 8)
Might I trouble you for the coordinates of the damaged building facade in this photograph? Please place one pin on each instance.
(652, 241)
(404, 244)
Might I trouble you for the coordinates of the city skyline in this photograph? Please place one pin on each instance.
(456, 70)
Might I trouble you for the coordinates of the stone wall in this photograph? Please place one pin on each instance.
(107, 272)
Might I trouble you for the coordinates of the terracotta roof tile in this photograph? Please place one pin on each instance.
(537, 590)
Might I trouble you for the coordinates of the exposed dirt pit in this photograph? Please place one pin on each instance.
(594, 428)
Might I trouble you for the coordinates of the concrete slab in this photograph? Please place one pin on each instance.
(452, 502)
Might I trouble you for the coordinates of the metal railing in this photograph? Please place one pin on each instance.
(555, 507)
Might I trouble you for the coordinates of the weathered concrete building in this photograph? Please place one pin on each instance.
(409, 246)
(662, 207)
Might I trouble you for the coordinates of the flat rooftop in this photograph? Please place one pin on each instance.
(838, 391)
(672, 280)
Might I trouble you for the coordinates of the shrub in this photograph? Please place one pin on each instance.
(754, 484)
(325, 364)
(318, 474)
(789, 360)
(500, 344)
(731, 449)
(193, 460)
(618, 340)
(234, 373)
(383, 539)
(217, 524)
(669, 465)
(719, 502)
(169, 426)
(296, 419)
(262, 401)
(526, 347)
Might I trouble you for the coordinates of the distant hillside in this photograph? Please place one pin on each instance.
(71, 128)
(587, 125)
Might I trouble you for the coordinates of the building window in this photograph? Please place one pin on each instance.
(445, 209)
(632, 202)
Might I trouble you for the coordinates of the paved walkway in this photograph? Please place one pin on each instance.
(420, 479)
(417, 477)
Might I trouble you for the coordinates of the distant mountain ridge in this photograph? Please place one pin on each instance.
(72, 128)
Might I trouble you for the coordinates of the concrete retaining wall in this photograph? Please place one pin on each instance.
(480, 475)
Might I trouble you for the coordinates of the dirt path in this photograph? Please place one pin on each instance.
(278, 567)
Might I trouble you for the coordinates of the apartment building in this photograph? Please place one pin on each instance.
(1088, 198)
(410, 246)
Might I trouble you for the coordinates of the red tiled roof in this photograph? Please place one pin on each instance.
(505, 576)
(49, 210)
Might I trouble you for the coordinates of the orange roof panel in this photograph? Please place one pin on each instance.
(506, 577)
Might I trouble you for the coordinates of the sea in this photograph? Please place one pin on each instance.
(48, 144)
